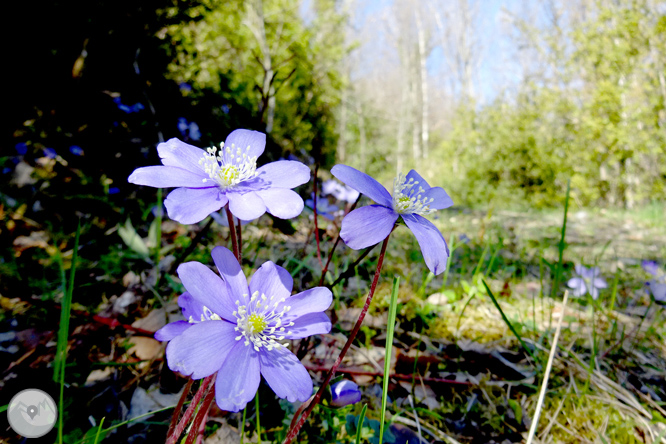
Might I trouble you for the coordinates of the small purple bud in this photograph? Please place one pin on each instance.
(185, 87)
(345, 392)
(114, 190)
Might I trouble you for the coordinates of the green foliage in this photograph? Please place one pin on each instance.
(263, 57)
(598, 119)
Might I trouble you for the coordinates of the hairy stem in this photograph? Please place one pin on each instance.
(203, 390)
(232, 234)
(317, 398)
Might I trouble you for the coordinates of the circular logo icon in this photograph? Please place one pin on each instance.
(32, 413)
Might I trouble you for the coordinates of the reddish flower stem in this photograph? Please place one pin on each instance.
(179, 406)
(316, 223)
(317, 398)
(232, 234)
(203, 390)
(335, 245)
(202, 414)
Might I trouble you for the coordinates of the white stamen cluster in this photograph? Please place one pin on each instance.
(260, 322)
(207, 315)
(407, 198)
(230, 167)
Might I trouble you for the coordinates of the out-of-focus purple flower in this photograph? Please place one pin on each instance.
(339, 191)
(657, 290)
(50, 153)
(239, 331)
(185, 87)
(225, 109)
(324, 207)
(127, 108)
(651, 267)
(189, 130)
(588, 280)
(21, 148)
(412, 199)
(463, 239)
(76, 150)
(114, 190)
(208, 180)
(344, 392)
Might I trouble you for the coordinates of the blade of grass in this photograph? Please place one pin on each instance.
(390, 328)
(508, 323)
(63, 333)
(242, 425)
(256, 408)
(562, 245)
(99, 429)
(359, 426)
(544, 383)
(452, 248)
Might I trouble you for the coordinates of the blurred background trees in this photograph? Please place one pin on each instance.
(500, 102)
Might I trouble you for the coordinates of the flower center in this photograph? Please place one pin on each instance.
(230, 166)
(407, 199)
(260, 322)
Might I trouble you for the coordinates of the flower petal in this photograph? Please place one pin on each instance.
(285, 374)
(314, 300)
(190, 306)
(192, 205)
(282, 202)
(580, 270)
(363, 183)
(433, 246)
(208, 289)
(284, 174)
(238, 378)
(578, 286)
(201, 350)
(176, 153)
(418, 179)
(367, 226)
(594, 292)
(166, 177)
(658, 291)
(171, 330)
(242, 138)
(599, 283)
(344, 392)
(272, 280)
(440, 198)
(308, 325)
(231, 271)
(650, 267)
(247, 206)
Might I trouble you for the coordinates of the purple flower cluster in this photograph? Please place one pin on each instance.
(412, 199)
(207, 180)
(587, 281)
(239, 331)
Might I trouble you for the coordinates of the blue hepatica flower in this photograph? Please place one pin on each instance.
(344, 392)
(240, 331)
(188, 129)
(208, 180)
(657, 286)
(588, 280)
(412, 199)
(339, 191)
(324, 207)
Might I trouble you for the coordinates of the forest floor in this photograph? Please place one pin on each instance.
(460, 370)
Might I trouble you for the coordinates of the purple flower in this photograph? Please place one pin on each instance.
(189, 130)
(324, 207)
(50, 153)
(339, 191)
(76, 150)
(239, 332)
(412, 199)
(588, 280)
(208, 180)
(21, 148)
(344, 392)
(657, 290)
(651, 267)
